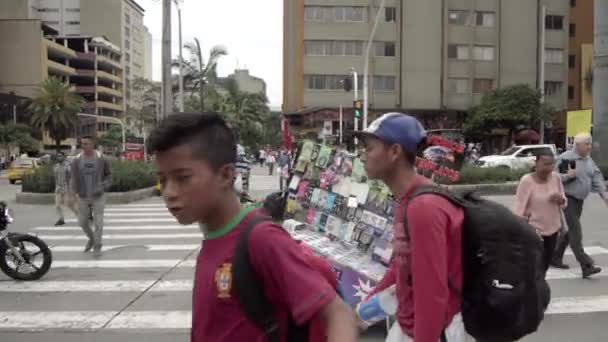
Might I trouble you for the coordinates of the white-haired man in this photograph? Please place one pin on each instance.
(580, 176)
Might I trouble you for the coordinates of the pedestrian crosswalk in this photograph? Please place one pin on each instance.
(143, 278)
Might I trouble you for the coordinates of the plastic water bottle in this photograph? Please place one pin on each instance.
(378, 307)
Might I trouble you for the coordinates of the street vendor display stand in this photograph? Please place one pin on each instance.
(346, 218)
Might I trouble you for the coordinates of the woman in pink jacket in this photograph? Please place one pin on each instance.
(540, 199)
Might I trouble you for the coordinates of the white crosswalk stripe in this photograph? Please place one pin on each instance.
(141, 243)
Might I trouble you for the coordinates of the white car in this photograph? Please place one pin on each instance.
(515, 157)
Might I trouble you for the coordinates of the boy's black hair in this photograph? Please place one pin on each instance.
(209, 136)
(88, 137)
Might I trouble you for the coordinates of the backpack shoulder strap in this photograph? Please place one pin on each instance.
(247, 288)
(440, 191)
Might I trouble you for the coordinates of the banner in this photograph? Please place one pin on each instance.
(579, 121)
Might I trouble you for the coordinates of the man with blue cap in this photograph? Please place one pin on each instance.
(427, 256)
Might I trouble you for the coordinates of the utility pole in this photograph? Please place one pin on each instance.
(181, 58)
(541, 69)
(600, 81)
(167, 93)
(370, 43)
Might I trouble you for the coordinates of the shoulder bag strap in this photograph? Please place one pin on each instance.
(247, 288)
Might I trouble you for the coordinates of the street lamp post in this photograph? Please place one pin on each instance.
(109, 118)
(368, 49)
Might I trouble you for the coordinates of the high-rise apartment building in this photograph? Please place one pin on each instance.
(120, 21)
(432, 58)
(31, 51)
(580, 55)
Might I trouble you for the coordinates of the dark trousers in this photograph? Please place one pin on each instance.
(574, 235)
(549, 243)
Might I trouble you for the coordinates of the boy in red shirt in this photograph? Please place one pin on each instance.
(427, 262)
(195, 157)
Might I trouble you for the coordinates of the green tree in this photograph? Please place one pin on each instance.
(112, 139)
(506, 108)
(198, 73)
(146, 95)
(55, 109)
(19, 135)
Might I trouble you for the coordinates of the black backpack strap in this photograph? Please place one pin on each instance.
(440, 191)
(247, 288)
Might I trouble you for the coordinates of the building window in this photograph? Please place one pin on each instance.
(571, 61)
(48, 10)
(73, 10)
(127, 44)
(385, 49)
(333, 48)
(335, 14)
(390, 14)
(572, 29)
(127, 57)
(456, 51)
(459, 17)
(127, 32)
(482, 86)
(72, 22)
(49, 23)
(555, 56)
(572, 3)
(458, 86)
(384, 83)
(570, 92)
(552, 87)
(324, 82)
(483, 53)
(127, 18)
(485, 19)
(554, 22)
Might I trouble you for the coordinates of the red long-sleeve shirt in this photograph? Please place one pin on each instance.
(427, 265)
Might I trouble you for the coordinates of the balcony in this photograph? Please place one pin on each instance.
(109, 91)
(59, 69)
(92, 105)
(85, 73)
(88, 56)
(103, 60)
(85, 89)
(58, 50)
(108, 76)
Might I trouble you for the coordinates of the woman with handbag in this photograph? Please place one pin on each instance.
(540, 199)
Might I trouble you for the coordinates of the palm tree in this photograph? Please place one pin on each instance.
(15, 134)
(246, 112)
(55, 109)
(198, 73)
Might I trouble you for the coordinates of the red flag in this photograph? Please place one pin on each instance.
(287, 138)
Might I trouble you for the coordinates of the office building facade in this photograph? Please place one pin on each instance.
(433, 58)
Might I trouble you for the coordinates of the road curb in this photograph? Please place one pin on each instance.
(111, 197)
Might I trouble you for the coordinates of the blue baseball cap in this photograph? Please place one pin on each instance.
(396, 128)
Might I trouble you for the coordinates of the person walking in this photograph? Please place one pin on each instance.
(283, 163)
(429, 251)
(63, 192)
(580, 176)
(540, 199)
(270, 161)
(91, 177)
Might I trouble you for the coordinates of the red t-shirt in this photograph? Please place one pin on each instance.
(421, 267)
(290, 283)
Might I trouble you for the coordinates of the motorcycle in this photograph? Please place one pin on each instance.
(22, 256)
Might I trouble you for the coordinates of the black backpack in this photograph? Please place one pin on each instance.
(251, 296)
(504, 294)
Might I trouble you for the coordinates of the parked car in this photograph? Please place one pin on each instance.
(515, 157)
(20, 168)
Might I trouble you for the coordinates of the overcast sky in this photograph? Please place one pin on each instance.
(250, 30)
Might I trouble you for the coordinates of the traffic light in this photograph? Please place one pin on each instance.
(358, 105)
(348, 84)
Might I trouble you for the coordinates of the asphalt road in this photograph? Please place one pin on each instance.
(140, 288)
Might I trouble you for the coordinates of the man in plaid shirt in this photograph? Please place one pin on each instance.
(63, 194)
